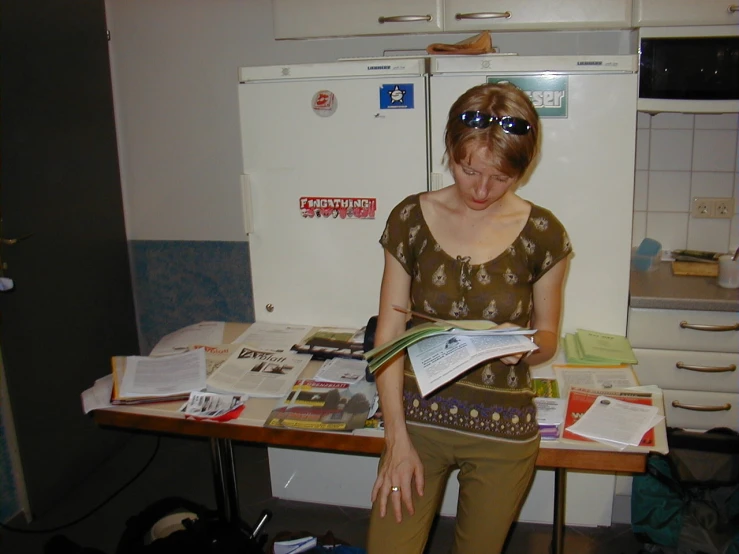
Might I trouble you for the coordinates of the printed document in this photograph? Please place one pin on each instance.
(615, 422)
(163, 376)
(438, 359)
(618, 377)
(205, 332)
(258, 373)
(277, 337)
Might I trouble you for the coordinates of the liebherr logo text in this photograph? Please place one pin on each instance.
(376, 67)
(589, 63)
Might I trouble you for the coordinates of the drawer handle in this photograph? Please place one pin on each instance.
(707, 327)
(706, 368)
(483, 15)
(725, 408)
(403, 18)
(733, 8)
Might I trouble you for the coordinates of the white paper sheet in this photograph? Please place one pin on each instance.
(162, 376)
(277, 337)
(98, 395)
(616, 422)
(205, 332)
(341, 370)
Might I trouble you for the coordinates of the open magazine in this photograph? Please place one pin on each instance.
(324, 406)
(441, 358)
(381, 355)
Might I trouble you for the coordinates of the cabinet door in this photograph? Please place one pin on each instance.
(657, 13)
(332, 18)
(519, 15)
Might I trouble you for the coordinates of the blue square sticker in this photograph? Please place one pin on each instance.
(394, 97)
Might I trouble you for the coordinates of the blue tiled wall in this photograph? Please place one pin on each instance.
(178, 283)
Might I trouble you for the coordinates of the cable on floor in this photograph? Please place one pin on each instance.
(96, 508)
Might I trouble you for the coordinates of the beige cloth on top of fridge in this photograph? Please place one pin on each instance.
(479, 44)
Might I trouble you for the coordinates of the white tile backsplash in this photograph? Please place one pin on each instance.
(713, 184)
(714, 150)
(669, 191)
(673, 121)
(709, 234)
(638, 228)
(641, 184)
(670, 229)
(678, 157)
(670, 150)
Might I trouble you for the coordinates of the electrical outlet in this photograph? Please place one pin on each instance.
(703, 207)
(723, 208)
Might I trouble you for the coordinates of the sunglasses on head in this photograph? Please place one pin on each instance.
(509, 124)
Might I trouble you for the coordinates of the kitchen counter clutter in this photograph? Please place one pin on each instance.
(663, 290)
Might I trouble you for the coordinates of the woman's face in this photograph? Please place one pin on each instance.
(480, 183)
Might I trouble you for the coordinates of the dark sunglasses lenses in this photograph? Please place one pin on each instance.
(480, 120)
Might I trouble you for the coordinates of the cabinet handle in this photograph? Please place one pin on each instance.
(404, 18)
(707, 327)
(733, 8)
(483, 15)
(706, 368)
(725, 408)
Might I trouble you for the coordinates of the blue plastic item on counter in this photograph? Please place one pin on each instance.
(647, 255)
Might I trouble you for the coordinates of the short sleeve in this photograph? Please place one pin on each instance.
(546, 242)
(397, 237)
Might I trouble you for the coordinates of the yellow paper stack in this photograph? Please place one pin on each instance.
(587, 347)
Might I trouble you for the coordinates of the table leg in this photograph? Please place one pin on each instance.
(558, 531)
(219, 480)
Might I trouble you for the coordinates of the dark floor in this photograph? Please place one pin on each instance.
(182, 468)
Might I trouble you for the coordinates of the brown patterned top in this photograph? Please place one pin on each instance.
(493, 399)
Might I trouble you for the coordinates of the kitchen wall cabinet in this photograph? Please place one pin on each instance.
(659, 13)
(294, 19)
(530, 15)
(693, 356)
(333, 18)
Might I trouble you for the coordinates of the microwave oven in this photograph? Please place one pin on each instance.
(689, 69)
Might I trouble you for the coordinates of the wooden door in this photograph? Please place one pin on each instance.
(72, 306)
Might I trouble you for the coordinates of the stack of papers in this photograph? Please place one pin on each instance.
(594, 348)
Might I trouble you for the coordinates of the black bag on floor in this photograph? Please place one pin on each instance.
(689, 499)
(204, 534)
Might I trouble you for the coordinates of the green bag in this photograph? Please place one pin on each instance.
(689, 499)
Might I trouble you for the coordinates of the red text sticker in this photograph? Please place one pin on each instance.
(338, 207)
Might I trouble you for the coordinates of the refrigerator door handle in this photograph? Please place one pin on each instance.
(246, 204)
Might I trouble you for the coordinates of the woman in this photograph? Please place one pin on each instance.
(473, 250)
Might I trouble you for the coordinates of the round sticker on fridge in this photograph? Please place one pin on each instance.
(324, 103)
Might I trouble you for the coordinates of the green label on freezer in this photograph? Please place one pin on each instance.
(548, 93)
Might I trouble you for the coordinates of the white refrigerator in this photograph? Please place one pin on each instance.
(381, 139)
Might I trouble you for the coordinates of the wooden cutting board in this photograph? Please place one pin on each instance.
(698, 269)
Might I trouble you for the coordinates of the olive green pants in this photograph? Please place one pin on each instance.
(494, 477)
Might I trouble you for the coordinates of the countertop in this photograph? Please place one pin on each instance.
(661, 289)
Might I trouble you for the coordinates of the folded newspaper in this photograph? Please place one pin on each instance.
(441, 351)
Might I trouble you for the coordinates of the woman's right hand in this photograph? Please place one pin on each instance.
(401, 468)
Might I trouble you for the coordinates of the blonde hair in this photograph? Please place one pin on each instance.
(512, 154)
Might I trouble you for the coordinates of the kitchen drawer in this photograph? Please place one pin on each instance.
(683, 330)
(658, 13)
(725, 406)
(714, 372)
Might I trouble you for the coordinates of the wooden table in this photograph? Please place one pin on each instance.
(166, 420)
